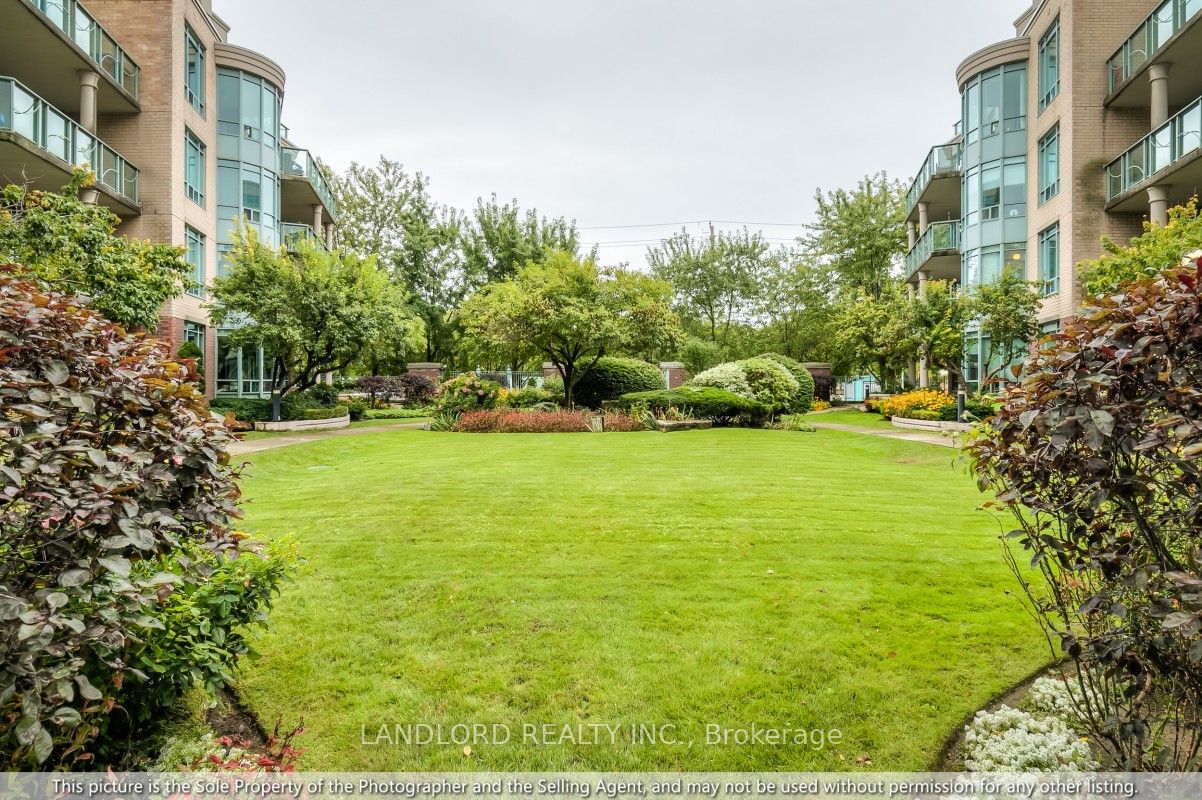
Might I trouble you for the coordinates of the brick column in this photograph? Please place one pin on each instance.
(675, 373)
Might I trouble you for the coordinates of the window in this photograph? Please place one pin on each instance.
(1049, 165)
(1049, 65)
(1015, 106)
(194, 254)
(991, 192)
(194, 168)
(194, 69)
(1049, 260)
(1014, 195)
(1048, 328)
(194, 332)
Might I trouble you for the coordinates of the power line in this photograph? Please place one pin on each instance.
(695, 222)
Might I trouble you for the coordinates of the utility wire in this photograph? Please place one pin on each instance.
(695, 222)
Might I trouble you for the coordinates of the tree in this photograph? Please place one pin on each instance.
(796, 306)
(573, 313)
(1005, 313)
(500, 239)
(386, 212)
(873, 335)
(937, 321)
(717, 279)
(313, 313)
(1098, 455)
(1147, 254)
(72, 246)
(860, 234)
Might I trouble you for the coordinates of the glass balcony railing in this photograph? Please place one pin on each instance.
(79, 26)
(939, 237)
(1171, 142)
(301, 163)
(294, 234)
(24, 113)
(942, 159)
(1168, 18)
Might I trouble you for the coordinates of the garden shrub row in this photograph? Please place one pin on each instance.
(334, 412)
(501, 420)
(929, 404)
(774, 381)
(293, 406)
(398, 413)
(721, 406)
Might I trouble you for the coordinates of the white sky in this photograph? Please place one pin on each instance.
(625, 112)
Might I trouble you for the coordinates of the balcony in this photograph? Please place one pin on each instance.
(1169, 154)
(41, 145)
(294, 234)
(1168, 35)
(937, 252)
(47, 43)
(304, 185)
(937, 183)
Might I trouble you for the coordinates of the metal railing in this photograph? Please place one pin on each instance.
(944, 158)
(939, 237)
(301, 163)
(79, 26)
(1160, 26)
(24, 113)
(293, 234)
(1172, 141)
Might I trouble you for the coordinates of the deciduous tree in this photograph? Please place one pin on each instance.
(573, 313)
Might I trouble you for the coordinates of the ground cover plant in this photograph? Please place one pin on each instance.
(728, 576)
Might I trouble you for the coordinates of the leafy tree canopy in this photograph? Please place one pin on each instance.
(500, 239)
(1147, 254)
(314, 312)
(572, 313)
(72, 246)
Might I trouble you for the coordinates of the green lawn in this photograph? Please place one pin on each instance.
(851, 416)
(827, 580)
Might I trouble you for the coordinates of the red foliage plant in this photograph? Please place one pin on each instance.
(511, 421)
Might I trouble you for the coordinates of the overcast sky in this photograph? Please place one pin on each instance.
(625, 112)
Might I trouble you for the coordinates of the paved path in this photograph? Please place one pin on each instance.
(272, 442)
(896, 433)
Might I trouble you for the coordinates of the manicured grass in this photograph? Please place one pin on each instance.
(251, 436)
(851, 416)
(824, 580)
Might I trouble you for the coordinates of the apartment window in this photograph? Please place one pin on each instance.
(1049, 260)
(1048, 328)
(194, 168)
(194, 332)
(1049, 165)
(194, 69)
(194, 254)
(1049, 65)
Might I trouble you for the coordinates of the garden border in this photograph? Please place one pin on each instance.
(930, 425)
(305, 424)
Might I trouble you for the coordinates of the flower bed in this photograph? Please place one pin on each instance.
(504, 420)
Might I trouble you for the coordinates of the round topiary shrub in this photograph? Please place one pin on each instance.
(804, 400)
(611, 377)
(728, 377)
(118, 495)
(771, 384)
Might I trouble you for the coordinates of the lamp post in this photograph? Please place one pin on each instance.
(960, 400)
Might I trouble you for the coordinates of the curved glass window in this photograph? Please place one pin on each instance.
(995, 190)
(248, 163)
(995, 102)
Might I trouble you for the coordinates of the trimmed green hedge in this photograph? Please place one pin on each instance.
(333, 412)
(611, 377)
(246, 409)
(717, 404)
(398, 413)
(805, 395)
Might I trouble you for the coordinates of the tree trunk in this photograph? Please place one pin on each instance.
(567, 370)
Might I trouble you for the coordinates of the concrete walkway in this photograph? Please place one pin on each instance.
(244, 448)
(896, 433)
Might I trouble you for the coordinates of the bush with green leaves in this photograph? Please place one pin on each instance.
(321, 395)
(698, 355)
(530, 397)
(803, 402)
(728, 377)
(72, 246)
(333, 412)
(191, 350)
(356, 409)
(719, 405)
(112, 465)
(612, 377)
(399, 413)
(771, 384)
(467, 393)
(245, 409)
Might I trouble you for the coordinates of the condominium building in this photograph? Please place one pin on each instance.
(1083, 124)
(182, 129)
